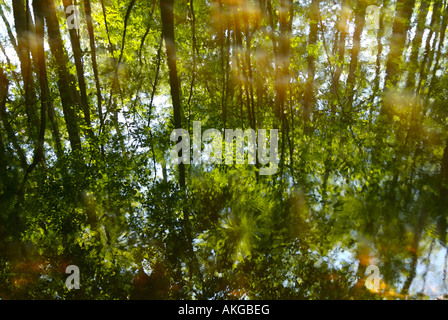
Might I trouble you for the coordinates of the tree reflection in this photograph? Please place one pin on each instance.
(356, 89)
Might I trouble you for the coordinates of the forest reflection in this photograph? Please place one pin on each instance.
(357, 90)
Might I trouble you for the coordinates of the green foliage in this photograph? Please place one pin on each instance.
(363, 181)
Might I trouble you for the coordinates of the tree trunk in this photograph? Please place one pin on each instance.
(12, 39)
(309, 98)
(400, 28)
(77, 54)
(4, 86)
(443, 194)
(379, 38)
(193, 54)
(170, 44)
(434, 78)
(22, 26)
(43, 80)
(66, 82)
(416, 44)
(340, 50)
(88, 13)
(419, 228)
(429, 53)
(353, 68)
(167, 15)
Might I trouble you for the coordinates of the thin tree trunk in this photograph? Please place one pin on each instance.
(340, 49)
(106, 25)
(156, 79)
(429, 53)
(43, 80)
(237, 49)
(443, 197)
(4, 86)
(309, 99)
(379, 38)
(12, 39)
(353, 68)
(434, 78)
(284, 43)
(223, 65)
(55, 130)
(66, 83)
(400, 28)
(248, 64)
(168, 35)
(45, 99)
(126, 20)
(167, 15)
(148, 29)
(428, 264)
(153, 92)
(416, 44)
(193, 54)
(415, 251)
(88, 13)
(77, 54)
(22, 22)
(10, 67)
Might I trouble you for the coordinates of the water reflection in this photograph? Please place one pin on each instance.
(410, 274)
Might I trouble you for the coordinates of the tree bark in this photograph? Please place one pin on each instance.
(193, 54)
(443, 196)
(429, 53)
(434, 78)
(340, 51)
(309, 98)
(4, 86)
(12, 39)
(46, 102)
(353, 68)
(66, 82)
(43, 80)
(400, 28)
(416, 44)
(22, 26)
(99, 98)
(167, 15)
(77, 54)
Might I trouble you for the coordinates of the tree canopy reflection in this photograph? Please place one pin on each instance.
(357, 90)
